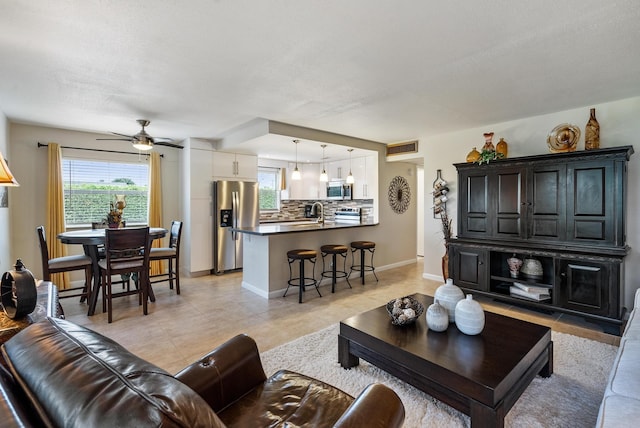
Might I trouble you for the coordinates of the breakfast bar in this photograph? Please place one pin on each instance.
(265, 247)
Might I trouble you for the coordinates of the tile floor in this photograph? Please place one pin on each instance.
(212, 309)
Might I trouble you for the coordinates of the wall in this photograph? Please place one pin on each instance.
(619, 126)
(27, 203)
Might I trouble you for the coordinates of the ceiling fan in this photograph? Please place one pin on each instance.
(142, 140)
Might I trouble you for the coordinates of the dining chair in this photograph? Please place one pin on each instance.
(172, 255)
(127, 251)
(65, 264)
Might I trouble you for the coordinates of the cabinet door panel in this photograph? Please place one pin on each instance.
(547, 194)
(509, 204)
(590, 215)
(470, 268)
(474, 200)
(588, 287)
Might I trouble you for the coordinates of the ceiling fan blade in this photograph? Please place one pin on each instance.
(114, 139)
(122, 135)
(163, 138)
(163, 143)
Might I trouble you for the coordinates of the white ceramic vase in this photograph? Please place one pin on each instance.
(437, 317)
(448, 295)
(469, 316)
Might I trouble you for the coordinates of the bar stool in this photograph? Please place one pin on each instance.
(333, 273)
(362, 246)
(301, 281)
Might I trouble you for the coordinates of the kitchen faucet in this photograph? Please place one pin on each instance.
(321, 217)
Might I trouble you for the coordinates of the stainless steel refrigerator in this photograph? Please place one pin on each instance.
(235, 204)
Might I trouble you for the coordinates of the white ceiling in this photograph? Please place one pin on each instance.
(382, 70)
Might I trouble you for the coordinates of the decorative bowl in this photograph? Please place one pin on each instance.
(404, 310)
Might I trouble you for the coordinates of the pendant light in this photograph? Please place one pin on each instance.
(323, 177)
(350, 179)
(295, 175)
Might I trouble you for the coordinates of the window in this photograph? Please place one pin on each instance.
(269, 188)
(90, 187)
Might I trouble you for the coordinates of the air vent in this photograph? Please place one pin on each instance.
(402, 148)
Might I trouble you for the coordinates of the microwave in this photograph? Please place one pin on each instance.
(339, 190)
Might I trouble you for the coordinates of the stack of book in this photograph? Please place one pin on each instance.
(532, 292)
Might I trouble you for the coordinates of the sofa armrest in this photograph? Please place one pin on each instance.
(226, 373)
(376, 406)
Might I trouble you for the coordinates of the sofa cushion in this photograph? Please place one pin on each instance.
(625, 374)
(617, 411)
(632, 330)
(288, 399)
(76, 377)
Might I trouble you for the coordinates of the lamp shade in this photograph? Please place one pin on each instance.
(6, 177)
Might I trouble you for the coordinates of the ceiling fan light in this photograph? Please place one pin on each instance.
(145, 144)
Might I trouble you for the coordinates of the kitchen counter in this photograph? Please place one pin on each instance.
(297, 227)
(264, 251)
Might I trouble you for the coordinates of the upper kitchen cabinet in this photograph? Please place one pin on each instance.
(365, 174)
(338, 170)
(309, 186)
(576, 198)
(234, 166)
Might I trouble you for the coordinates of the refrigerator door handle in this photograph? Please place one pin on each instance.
(234, 207)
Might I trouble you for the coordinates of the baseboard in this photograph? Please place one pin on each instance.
(432, 277)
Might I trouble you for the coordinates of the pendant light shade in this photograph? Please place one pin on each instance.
(323, 176)
(350, 179)
(295, 175)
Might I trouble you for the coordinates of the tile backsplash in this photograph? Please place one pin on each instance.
(294, 209)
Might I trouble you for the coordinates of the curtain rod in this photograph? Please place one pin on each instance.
(97, 150)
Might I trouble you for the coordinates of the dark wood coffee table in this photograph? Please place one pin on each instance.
(482, 376)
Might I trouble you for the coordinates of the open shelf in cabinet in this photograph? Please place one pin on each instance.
(501, 279)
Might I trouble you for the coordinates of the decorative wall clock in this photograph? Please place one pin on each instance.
(399, 194)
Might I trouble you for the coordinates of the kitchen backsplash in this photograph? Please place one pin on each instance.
(294, 209)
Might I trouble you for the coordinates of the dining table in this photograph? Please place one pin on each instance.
(91, 239)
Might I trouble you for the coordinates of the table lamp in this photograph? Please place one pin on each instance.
(18, 287)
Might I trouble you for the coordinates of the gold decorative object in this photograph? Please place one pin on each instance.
(563, 138)
(473, 155)
(592, 132)
(502, 148)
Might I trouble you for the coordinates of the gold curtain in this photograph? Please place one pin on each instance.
(55, 213)
(283, 179)
(155, 206)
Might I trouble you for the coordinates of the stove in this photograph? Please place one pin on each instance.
(348, 215)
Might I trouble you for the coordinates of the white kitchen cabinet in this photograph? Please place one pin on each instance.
(365, 174)
(309, 186)
(200, 173)
(201, 244)
(234, 166)
(338, 170)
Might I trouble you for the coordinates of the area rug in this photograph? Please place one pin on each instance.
(569, 398)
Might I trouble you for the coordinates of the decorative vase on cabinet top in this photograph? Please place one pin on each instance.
(448, 295)
(469, 316)
(488, 144)
(502, 148)
(437, 317)
(473, 155)
(592, 132)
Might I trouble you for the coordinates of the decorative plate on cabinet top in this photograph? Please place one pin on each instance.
(563, 138)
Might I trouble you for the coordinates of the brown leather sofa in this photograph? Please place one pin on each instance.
(64, 375)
